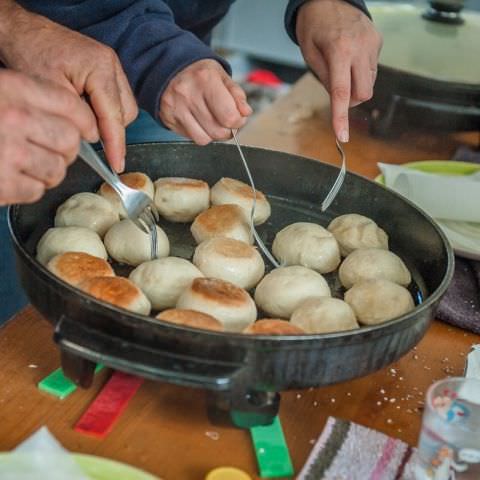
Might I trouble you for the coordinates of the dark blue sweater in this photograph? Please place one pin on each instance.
(154, 39)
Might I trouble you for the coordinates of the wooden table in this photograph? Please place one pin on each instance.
(165, 430)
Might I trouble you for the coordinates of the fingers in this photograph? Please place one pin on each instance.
(239, 96)
(20, 188)
(106, 102)
(363, 79)
(129, 104)
(209, 123)
(340, 90)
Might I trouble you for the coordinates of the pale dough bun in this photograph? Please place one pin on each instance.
(231, 191)
(231, 260)
(354, 231)
(273, 326)
(69, 239)
(324, 315)
(181, 199)
(309, 245)
(87, 210)
(376, 301)
(126, 243)
(164, 279)
(118, 291)
(190, 318)
(222, 221)
(373, 263)
(135, 180)
(282, 290)
(76, 267)
(229, 304)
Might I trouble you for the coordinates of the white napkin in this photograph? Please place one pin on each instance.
(445, 197)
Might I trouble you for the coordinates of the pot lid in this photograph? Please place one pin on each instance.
(440, 42)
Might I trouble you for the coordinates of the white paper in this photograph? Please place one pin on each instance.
(40, 457)
(446, 197)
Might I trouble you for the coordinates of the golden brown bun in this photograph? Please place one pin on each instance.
(135, 180)
(118, 291)
(190, 318)
(219, 291)
(76, 267)
(273, 326)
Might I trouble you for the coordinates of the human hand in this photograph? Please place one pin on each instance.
(203, 103)
(40, 129)
(341, 45)
(35, 45)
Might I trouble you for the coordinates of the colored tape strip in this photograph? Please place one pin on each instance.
(58, 385)
(271, 450)
(110, 403)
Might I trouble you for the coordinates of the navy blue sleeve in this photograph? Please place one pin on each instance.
(294, 5)
(151, 47)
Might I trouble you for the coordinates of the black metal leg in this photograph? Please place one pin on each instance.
(77, 369)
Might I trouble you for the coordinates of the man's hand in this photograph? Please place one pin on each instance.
(40, 129)
(341, 45)
(35, 45)
(203, 103)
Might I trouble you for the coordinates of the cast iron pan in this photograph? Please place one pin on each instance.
(87, 330)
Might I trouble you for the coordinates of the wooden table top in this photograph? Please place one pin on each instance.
(165, 429)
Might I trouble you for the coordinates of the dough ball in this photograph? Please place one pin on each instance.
(118, 291)
(373, 263)
(270, 326)
(126, 243)
(164, 279)
(230, 260)
(354, 231)
(87, 210)
(324, 315)
(135, 180)
(69, 239)
(181, 199)
(376, 301)
(309, 245)
(222, 221)
(228, 303)
(231, 191)
(76, 267)
(190, 318)
(282, 290)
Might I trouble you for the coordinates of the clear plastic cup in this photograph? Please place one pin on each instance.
(449, 445)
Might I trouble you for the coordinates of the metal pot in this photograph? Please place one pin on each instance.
(245, 371)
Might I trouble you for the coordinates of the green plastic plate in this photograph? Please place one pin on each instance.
(464, 236)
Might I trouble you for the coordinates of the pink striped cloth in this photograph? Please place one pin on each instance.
(347, 451)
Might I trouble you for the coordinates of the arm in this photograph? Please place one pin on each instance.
(174, 75)
(33, 44)
(341, 46)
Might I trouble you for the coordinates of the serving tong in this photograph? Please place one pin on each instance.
(138, 205)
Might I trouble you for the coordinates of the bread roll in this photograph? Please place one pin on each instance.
(126, 243)
(69, 239)
(118, 291)
(270, 326)
(282, 290)
(231, 191)
(181, 199)
(76, 267)
(309, 245)
(373, 263)
(135, 180)
(190, 318)
(230, 260)
(324, 315)
(229, 304)
(222, 221)
(87, 210)
(164, 279)
(376, 301)
(354, 231)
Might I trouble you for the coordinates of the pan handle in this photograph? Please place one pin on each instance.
(82, 347)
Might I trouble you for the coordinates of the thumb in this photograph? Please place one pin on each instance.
(239, 96)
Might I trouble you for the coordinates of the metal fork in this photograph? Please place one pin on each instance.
(138, 205)
(339, 181)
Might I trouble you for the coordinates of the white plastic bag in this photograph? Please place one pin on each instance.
(40, 457)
